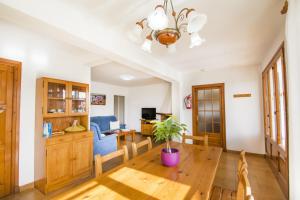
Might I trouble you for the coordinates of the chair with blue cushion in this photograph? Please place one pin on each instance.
(104, 143)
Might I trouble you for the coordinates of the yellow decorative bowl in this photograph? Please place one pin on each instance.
(77, 128)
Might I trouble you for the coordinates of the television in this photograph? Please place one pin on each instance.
(149, 113)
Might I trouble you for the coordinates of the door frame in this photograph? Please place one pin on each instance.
(17, 69)
(195, 88)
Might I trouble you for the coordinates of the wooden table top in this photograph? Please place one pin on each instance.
(144, 177)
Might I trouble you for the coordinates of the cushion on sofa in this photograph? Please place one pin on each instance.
(114, 125)
(96, 129)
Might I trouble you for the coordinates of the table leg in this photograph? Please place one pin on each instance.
(133, 136)
(118, 141)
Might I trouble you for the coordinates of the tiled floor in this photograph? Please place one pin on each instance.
(262, 180)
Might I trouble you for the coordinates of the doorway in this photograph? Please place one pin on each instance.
(209, 113)
(10, 76)
(119, 108)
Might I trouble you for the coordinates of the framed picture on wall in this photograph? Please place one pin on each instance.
(98, 99)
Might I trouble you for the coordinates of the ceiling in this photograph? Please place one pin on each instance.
(110, 72)
(238, 33)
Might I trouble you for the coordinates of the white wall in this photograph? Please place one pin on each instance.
(109, 90)
(157, 96)
(39, 57)
(243, 119)
(293, 79)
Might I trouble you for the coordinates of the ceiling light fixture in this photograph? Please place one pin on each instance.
(158, 26)
(126, 77)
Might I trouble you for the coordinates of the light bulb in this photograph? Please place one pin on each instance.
(196, 40)
(158, 20)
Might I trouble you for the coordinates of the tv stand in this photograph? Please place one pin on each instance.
(147, 127)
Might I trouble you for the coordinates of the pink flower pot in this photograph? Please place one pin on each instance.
(170, 159)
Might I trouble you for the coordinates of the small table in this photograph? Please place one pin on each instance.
(124, 133)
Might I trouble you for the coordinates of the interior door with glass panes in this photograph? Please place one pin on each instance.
(209, 113)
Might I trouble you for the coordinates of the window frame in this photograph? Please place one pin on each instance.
(267, 100)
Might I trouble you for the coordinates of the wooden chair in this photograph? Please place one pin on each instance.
(99, 160)
(136, 146)
(204, 138)
(242, 164)
(243, 187)
(243, 192)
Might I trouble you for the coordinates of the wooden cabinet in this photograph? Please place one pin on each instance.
(64, 98)
(68, 158)
(146, 127)
(83, 162)
(62, 160)
(59, 162)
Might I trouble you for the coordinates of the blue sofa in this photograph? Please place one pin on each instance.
(103, 144)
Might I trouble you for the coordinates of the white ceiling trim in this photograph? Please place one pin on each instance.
(81, 30)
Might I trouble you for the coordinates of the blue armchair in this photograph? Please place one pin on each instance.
(103, 144)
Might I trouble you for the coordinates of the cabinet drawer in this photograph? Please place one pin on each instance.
(58, 139)
(83, 135)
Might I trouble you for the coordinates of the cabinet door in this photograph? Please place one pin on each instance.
(78, 99)
(55, 98)
(59, 162)
(83, 156)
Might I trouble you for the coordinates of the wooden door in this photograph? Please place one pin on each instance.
(209, 113)
(55, 98)
(6, 99)
(59, 162)
(83, 156)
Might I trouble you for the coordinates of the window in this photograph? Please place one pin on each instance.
(274, 92)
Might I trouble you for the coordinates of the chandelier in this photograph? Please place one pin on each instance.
(166, 26)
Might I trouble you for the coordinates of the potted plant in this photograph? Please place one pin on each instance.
(165, 131)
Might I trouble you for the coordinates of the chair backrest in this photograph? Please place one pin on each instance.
(242, 164)
(99, 160)
(204, 138)
(244, 189)
(136, 146)
(250, 197)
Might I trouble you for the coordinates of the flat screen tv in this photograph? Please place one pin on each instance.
(149, 113)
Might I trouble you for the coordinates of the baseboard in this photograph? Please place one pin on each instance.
(247, 153)
(281, 181)
(26, 187)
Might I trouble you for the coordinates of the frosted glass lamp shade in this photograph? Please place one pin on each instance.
(196, 40)
(147, 45)
(135, 34)
(158, 20)
(196, 22)
(137, 31)
(172, 48)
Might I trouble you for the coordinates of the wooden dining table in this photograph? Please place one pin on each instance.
(144, 177)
